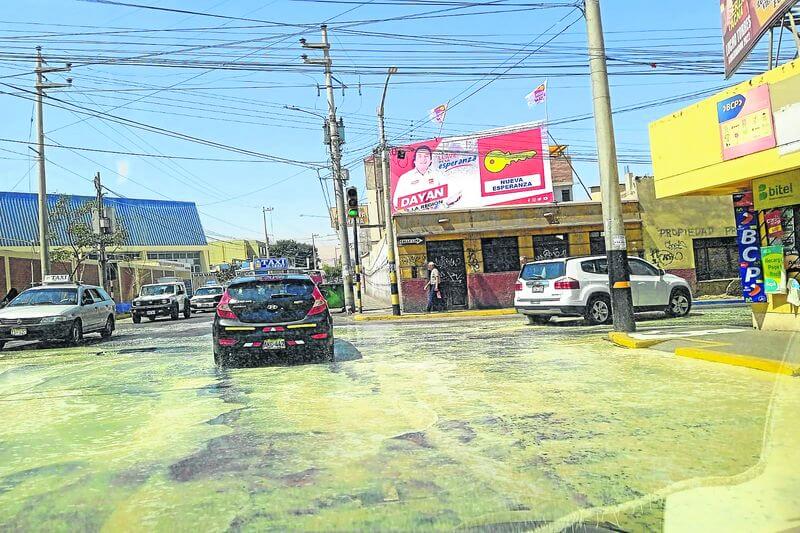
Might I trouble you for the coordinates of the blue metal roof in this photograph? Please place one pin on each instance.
(147, 222)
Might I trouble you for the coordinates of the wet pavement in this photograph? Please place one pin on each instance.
(479, 424)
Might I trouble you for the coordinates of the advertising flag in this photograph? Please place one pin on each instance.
(537, 96)
(510, 166)
(438, 113)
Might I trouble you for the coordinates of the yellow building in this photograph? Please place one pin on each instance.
(745, 141)
(220, 252)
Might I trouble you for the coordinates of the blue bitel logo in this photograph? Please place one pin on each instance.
(730, 108)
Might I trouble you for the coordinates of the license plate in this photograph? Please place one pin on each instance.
(19, 332)
(151, 312)
(537, 288)
(274, 344)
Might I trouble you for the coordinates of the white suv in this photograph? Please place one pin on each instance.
(578, 286)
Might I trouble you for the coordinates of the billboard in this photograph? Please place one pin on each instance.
(495, 168)
(745, 123)
(744, 22)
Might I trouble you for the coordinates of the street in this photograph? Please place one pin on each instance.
(479, 424)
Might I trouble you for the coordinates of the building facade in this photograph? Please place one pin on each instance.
(700, 150)
(235, 251)
(156, 230)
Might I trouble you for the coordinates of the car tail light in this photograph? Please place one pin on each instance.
(224, 309)
(518, 286)
(319, 336)
(227, 342)
(567, 283)
(320, 304)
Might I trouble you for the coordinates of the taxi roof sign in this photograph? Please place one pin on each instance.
(56, 278)
(271, 263)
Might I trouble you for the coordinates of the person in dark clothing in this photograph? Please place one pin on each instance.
(10, 296)
(434, 288)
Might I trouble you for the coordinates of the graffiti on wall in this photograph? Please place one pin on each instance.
(665, 258)
(472, 260)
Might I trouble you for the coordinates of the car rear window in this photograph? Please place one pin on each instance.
(208, 290)
(549, 270)
(263, 290)
(596, 266)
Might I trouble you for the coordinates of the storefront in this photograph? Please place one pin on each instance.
(745, 142)
(478, 252)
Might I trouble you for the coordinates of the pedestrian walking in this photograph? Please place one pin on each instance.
(433, 287)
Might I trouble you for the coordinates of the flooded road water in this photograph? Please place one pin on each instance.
(416, 426)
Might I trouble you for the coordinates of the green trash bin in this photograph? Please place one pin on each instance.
(334, 294)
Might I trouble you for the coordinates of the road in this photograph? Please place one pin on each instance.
(471, 423)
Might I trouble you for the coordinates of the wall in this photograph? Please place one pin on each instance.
(131, 275)
(496, 290)
(670, 225)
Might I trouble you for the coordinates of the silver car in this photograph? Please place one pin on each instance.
(57, 310)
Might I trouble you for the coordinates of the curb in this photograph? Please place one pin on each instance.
(719, 303)
(473, 313)
(775, 367)
(626, 341)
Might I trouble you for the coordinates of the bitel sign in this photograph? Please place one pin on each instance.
(750, 269)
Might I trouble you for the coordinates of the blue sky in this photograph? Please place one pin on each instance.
(244, 72)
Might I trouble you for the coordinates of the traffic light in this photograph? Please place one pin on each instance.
(352, 202)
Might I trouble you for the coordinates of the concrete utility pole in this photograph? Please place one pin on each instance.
(357, 253)
(616, 243)
(387, 202)
(264, 211)
(314, 250)
(336, 163)
(102, 259)
(41, 85)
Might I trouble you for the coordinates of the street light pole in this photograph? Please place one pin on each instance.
(266, 233)
(336, 163)
(616, 243)
(387, 202)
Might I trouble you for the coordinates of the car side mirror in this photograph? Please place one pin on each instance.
(661, 272)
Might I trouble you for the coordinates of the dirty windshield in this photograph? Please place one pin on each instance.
(155, 290)
(46, 297)
(484, 266)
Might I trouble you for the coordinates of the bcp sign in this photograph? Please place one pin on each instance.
(747, 238)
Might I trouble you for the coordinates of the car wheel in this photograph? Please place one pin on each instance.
(538, 320)
(220, 357)
(680, 303)
(174, 314)
(2, 345)
(598, 310)
(136, 319)
(75, 333)
(109, 329)
(187, 311)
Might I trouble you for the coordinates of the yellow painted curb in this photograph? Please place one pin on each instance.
(432, 316)
(775, 367)
(626, 341)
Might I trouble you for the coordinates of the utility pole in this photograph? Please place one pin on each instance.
(359, 306)
(616, 243)
(264, 211)
(41, 85)
(336, 162)
(314, 250)
(387, 203)
(102, 259)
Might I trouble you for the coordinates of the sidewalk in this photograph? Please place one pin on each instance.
(771, 351)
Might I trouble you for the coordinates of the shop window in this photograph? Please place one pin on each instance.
(566, 195)
(597, 243)
(500, 254)
(716, 258)
(550, 247)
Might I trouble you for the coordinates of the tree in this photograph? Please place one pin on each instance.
(297, 251)
(80, 235)
(332, 272)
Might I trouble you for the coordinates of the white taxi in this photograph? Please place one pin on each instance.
(57, 310)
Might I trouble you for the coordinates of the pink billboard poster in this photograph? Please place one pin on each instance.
(497, 168)
(746, 123)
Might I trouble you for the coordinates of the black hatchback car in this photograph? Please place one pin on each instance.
(275, 319)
